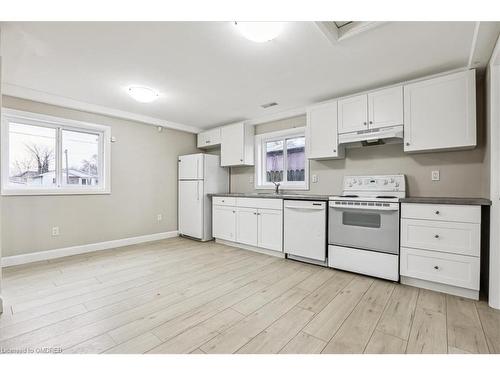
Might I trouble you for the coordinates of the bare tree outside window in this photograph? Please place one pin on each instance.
(31, 153)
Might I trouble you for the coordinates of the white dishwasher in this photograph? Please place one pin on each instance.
(305, 230)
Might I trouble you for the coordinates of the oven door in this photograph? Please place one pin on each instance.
(365, 228)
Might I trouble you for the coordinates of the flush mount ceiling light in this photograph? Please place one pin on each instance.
(143, 94)
(260, 31)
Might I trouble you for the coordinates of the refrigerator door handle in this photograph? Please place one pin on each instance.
(198, 168)
(198, 190)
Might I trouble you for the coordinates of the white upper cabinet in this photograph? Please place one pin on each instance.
(209, 138)
(237, 146)
(353, 114)
(440, 113)
(385, 107)
(377, 109)
(322, 132)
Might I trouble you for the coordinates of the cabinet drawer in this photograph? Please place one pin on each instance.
(224, 201)
(449, 237)
(441, 212)
(270, 203)
(450, 269)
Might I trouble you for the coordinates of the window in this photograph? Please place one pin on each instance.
(281, 158)
(48, 155)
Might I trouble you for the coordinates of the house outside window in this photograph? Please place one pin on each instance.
(44, 155)
(281, 158)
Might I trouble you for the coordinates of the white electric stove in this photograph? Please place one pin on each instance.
(364, 225)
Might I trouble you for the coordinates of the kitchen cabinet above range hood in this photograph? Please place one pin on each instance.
(372, 137)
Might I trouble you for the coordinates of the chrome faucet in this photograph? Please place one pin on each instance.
(276, 187)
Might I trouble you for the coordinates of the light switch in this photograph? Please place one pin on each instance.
(315, 178)
(435, 176)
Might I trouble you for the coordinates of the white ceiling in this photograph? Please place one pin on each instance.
(209, 75)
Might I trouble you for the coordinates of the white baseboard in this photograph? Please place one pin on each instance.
(15, 260)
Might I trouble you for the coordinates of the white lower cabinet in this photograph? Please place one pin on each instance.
(449, 237)
(270, 229)
(451, 269)
(254, 222)
(224, 222)
(441, 247)
(246, 225)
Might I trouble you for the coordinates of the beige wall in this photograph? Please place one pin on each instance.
(463, 173)
(143, 183)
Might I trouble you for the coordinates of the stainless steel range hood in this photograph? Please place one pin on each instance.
(372, 137)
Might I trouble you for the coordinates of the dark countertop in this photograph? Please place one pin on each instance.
(447, 200)
(309, 197)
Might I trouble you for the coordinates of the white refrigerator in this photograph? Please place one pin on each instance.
(199, 175)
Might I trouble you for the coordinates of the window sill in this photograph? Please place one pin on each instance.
(18, 192)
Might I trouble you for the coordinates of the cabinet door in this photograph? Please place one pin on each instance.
(224, 222)
(246, 226)
(322, 132)
(233, 144)
(353, 114)
(440, 113)
(385, 107)
(270, 229)
(209, 138)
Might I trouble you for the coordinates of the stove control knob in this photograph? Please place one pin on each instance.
(397, 184)
(385, 182)
(392, 180)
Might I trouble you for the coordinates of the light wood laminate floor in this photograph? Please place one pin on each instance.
(182, 296)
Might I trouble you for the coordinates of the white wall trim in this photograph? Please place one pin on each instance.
(15, 260)
(493, 122)
(48, 98)
(473, 44)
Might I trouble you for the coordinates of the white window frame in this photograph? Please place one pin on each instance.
(60, 124)
(260, 167)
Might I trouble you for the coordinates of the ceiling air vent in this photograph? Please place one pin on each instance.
(337, 31)
(267, 105)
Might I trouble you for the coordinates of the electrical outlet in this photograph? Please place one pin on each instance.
(159, 217)
(315, 178)
(250, 180)
(55, 231)
(435, 176)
